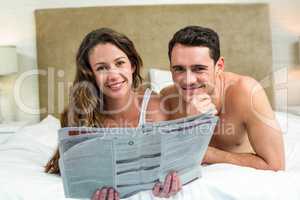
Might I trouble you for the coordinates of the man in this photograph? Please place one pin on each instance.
(247, 133)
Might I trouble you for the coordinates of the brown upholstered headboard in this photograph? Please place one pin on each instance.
(244, 34)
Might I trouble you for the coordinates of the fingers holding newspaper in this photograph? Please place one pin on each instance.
(199, 104)
(170, 187)
(106, 193)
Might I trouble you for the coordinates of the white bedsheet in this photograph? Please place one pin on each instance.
(22, 177)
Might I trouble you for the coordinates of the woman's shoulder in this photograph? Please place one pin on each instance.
(155, 109)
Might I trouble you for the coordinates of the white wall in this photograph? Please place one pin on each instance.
(18, 28)
(285, 23)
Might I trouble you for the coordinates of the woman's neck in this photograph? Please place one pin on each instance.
(121, 108)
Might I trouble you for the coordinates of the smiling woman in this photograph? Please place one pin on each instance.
(105, 94)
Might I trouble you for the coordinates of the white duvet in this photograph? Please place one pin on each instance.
(22, 178)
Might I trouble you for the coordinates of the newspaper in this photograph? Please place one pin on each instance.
(132, 159)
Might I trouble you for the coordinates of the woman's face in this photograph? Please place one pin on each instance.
(112, 69)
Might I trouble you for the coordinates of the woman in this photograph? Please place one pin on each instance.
(104, 94)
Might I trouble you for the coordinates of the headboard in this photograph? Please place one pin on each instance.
(244, 31)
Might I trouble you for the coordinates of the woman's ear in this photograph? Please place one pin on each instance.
(133, 68)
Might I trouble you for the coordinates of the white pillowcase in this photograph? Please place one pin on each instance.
(44, 132)
(32, 145)
(289, 123)
(294, 110)
(160, 79)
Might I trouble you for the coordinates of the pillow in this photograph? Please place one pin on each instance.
(294, 110)
(32, 145)
(289, 123)
(44, 132)
(160, 79)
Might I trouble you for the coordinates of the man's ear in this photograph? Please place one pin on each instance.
(220, 65)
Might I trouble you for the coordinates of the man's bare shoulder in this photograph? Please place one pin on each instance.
(169, 90)
(244, 95)
(239, 87)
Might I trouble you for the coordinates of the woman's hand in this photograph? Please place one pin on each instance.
(106, 193)
(171, 186)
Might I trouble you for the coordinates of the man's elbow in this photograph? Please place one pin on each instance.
(277, 166)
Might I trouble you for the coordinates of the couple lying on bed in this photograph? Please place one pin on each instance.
(106, 93)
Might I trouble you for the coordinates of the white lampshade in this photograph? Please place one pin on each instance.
(8, 60)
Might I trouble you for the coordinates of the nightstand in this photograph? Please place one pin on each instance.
(7, 129)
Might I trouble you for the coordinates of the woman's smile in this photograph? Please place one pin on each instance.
(115, 86)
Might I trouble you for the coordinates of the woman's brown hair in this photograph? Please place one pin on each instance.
(86, 100)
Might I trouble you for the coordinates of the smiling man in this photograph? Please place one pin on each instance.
(247, 133)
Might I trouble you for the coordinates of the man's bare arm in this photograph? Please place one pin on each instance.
(215, 155)
(263, 131)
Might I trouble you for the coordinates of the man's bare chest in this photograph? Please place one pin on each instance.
(229, 132)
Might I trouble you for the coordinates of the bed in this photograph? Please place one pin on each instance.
(23, 156)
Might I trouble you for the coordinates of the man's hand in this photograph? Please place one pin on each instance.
(171, 186)
(106, 194)
(200, 104)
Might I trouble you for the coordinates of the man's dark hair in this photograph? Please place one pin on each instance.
(197, 36)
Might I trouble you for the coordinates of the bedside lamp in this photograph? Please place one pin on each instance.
(8, 60)
(8, 65)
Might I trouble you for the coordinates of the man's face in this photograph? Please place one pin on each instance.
(193, 71)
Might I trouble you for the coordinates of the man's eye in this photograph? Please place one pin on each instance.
(178, 69)
(198, 69)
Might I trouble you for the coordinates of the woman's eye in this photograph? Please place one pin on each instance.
(101, 68)
(119, 63)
